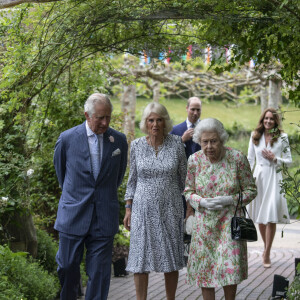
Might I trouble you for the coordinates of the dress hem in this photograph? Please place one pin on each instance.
(274, 222)
(149, 271)
(215, 286)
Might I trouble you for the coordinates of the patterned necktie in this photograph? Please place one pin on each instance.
(96, 156)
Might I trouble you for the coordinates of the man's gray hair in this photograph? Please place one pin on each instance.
(157, 108)
(210, 125)
(89, 105)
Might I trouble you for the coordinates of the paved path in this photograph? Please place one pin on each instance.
(258, 285)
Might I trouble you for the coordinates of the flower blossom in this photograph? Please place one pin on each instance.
(30, 172)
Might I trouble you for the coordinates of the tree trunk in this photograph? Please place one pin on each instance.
(128, 108)
(22, 233)
(263, 97)
(275, 97)
(156, 91)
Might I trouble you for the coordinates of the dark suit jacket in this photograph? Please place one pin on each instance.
(190, 146)
(81, 193)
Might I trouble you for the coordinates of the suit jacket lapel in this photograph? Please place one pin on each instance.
(83, 141)
(184, 127)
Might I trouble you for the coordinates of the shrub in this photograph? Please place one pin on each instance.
(294, 289)
(121, 195)
(46, 252)
(26, 276)
(121, 244)
(8, 290)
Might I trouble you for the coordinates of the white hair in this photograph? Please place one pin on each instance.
(157, 108)
(89, 105)
(210, 125)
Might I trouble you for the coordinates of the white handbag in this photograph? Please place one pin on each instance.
(189, 223)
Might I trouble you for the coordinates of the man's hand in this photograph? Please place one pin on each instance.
(187, 135)
(127, 219)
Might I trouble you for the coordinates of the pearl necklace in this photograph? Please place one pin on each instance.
(158, 149)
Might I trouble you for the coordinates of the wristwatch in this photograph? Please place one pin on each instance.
(128, 205)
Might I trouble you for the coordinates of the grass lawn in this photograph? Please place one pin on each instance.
(245, 116)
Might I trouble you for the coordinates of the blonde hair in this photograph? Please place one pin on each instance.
(157, 108)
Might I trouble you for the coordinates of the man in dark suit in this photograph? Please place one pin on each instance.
(186, 128)
(90, 161)
(186, 131)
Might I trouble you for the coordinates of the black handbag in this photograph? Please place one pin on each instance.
(243, 229)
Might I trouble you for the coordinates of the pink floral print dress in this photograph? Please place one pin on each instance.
(215, 259)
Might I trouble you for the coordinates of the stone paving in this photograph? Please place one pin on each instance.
(258, 286)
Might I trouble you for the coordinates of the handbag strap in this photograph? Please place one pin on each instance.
(242, 207)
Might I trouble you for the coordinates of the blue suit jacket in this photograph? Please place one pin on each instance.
(190, 146)
(81, 193)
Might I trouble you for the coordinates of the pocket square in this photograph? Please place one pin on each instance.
(116, 152)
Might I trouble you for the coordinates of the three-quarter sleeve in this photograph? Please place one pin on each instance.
(286, 156)
(182, 166)
(190, 187)
(246, 180)
(132, 179)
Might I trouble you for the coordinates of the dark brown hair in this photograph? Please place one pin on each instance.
(260, 128)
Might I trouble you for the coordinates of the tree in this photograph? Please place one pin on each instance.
(266, 30)
(54, 54)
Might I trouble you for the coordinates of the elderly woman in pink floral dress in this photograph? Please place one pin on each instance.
(215, 176)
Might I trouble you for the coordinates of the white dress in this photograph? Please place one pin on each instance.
(155, 184)
(269, 206)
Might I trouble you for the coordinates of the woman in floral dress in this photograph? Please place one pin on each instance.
(215, 176)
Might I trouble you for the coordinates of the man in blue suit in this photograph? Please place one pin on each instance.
(90, 161)
(186, 131)
(186, 128)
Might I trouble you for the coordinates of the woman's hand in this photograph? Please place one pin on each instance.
(269, 155)
(127, 219)
(189, 210)
(222, 200)
(209, 204)
(216, 203)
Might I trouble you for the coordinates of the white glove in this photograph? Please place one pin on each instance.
(222, 200)
(209, 204)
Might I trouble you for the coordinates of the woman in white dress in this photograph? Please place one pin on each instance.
(154, 209)
(268, 150)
